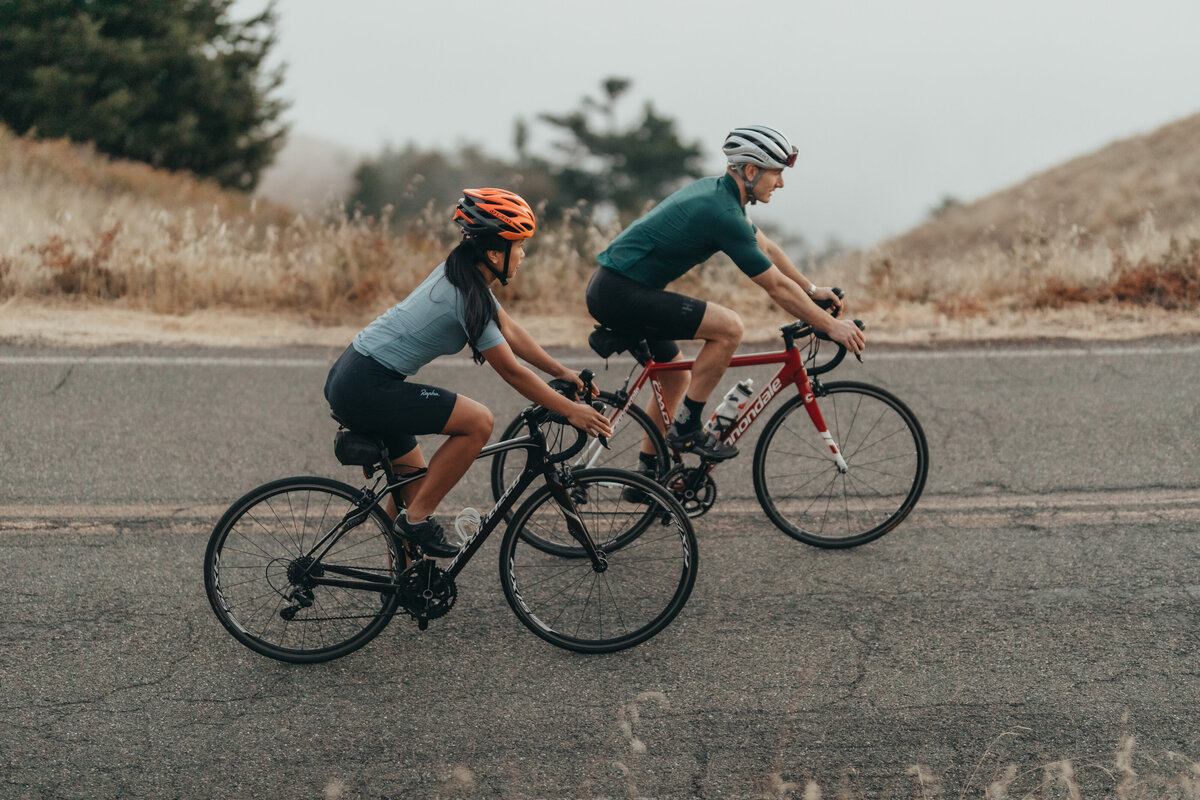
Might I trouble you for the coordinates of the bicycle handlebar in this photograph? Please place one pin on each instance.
(798, 330)
(539, 414)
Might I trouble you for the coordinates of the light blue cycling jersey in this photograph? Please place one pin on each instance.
(430, 322)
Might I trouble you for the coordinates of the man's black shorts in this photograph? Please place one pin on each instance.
(630, 307)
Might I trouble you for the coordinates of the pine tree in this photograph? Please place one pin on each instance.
(174, 83)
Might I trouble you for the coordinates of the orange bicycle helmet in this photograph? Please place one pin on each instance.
(494, 211)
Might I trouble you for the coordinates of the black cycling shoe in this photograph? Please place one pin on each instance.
(700, 442)
(632, 494)
(427, 534)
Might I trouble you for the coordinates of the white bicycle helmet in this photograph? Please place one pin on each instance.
(766, 148)
(759, 145)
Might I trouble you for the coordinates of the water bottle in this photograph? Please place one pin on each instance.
(731, 407)
(466, 525)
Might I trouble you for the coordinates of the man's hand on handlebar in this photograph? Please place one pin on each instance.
(829, 298)
(848, 335)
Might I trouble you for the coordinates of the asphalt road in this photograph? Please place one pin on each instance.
(1033, 624)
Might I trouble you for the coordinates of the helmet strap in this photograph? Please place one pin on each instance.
(749, 184)
(502, 275)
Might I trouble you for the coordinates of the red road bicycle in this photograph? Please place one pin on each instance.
(838, 465)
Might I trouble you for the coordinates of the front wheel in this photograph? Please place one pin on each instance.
(648, 567)
(805, 494)
(262, 558)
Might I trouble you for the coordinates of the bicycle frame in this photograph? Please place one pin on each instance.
(791, 373)
(536, 464)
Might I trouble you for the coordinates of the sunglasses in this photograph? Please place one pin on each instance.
(791, 159)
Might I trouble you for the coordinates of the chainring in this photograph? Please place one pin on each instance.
(426, 591)
(693, 487)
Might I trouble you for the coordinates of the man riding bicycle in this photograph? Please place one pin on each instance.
(628, 290)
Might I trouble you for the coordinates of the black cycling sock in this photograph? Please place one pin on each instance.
(691, 414)
(648, 462)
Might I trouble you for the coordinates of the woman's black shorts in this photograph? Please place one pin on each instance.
(379, 402)
(630, 307)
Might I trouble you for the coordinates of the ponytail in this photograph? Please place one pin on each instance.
(462, 271)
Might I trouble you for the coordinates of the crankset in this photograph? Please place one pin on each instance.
(426, 592)
(693, 487)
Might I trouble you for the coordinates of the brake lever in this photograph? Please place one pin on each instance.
(862, 326)
(602, 439)
(587, 376)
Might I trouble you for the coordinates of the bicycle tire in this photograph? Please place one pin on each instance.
(563, 600)
(253, 563)
(800, 488)
(622, 453)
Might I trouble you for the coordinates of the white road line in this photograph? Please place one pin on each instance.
(323, 363)
(151, 361)
(1143, 506)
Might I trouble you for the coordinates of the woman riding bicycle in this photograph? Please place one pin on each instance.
(369, 387)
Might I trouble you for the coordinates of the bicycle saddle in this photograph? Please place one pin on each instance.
(356, 449)
(605, 341)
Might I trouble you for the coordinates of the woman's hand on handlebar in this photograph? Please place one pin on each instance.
(570, 376)
(589, 420)
(582, 415)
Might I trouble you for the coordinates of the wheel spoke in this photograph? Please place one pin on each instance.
(809, 499)
(646, 575)
(258, 565)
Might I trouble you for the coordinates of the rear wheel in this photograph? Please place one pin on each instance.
(262, 558)
(800, 486)
(622, 452)
(649, 563)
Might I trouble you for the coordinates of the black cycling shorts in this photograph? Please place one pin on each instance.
(379, 402)
(633, 308)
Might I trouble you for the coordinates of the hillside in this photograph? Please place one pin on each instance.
(1107, 244)
(1120, 225)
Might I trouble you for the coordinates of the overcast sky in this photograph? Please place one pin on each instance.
(893, 103)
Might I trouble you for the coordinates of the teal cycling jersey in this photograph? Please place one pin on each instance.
(430, 322)
(685, 230)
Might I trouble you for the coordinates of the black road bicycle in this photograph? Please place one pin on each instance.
(308, 569)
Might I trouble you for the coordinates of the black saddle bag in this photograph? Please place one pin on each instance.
(355, 450)
(605, 341)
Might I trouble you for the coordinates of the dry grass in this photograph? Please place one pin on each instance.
(1108, 244)
(1117, 228)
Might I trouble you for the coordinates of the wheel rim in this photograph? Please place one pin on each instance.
(806, 493)
(621, 453)
(259, 568)
(643, 584)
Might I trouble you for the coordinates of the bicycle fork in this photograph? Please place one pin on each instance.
(575, 524)
(808, 392)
